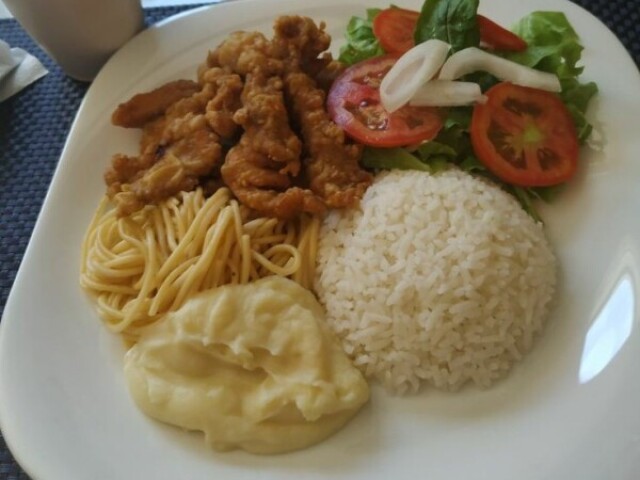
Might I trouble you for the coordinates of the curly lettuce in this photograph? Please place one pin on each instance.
(554, 46)
(361, 42)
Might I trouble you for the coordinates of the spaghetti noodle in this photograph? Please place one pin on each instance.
(148, 263)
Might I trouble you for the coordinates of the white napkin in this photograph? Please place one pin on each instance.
(17, 70)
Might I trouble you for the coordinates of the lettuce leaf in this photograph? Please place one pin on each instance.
(361, 42)
(554, 46)
(390, 159)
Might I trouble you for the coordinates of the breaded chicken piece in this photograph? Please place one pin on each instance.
(260, 170)
(189, 152)
(144, 107)
(265, 120)
(300, 40)
(252, 180)
(179, 146)
(243, 53)
(327, 73)
(331, 164)
(225, 102)
(179, 169)
(302, 45)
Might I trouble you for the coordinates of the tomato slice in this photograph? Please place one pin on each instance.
(394, 29)
(354, 104)
(498, 38)
(525, 136)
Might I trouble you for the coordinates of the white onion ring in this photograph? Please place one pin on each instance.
(447, 93)
(414, 68)
(473, 59)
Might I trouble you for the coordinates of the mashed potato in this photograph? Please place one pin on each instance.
(252, 366)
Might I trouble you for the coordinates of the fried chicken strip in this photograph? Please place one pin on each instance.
(177, 166)
(243, 53)
(327, 73)
(331, 164)
(302, 45)
(179, 146)
(260, 170)
(144, 107)
(225, 102)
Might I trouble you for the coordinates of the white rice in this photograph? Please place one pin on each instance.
(438, 278)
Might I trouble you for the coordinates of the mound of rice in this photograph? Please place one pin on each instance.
(439, 278)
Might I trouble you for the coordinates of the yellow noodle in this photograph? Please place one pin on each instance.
(245, 270)
(218, 267)
(177, 221)
(115, 273)
(128, 260)
(289, 268)
(237, 219)
(170, 287)
(89, 284)
(160, 228)
(139, 267)
(169, 225)
(192, 283)
(195, 232)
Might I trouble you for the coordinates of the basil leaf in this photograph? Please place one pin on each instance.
(452, 21)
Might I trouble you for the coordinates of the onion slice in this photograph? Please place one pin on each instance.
(473, 59)
(414, 68)
(447, 93)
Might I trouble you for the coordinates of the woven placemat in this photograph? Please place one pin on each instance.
(33, 128)
(34, 125)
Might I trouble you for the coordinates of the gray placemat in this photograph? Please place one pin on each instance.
(34, 125)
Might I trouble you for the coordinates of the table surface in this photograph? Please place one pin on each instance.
(34, 125)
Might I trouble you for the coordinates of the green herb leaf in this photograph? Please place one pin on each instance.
(392, 158)
(472, 165)
(546, 194)
(361, 42)
(576, 97)
(452, 21)
(436, 149)
(553, 44)
(524, 197)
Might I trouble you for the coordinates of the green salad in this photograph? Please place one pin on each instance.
(544, 41)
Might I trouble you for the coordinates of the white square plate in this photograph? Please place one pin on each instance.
(569, 410)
